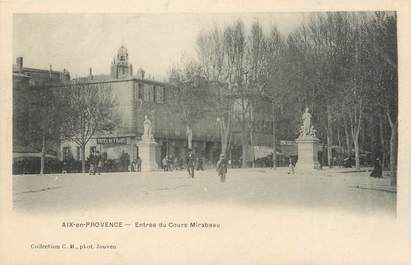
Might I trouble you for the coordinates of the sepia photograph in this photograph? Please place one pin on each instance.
(262, 134)
(297, 109)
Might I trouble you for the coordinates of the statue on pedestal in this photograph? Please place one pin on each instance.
(147, 148)
(307, 129)
(307, 144)
(147, 134)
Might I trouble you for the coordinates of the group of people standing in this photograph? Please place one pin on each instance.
(377, 171)
(170, 164)
(194, 163)
(96, 163)
(136, 165)
(221, 166)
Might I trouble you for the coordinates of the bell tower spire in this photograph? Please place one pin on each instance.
(120, 68)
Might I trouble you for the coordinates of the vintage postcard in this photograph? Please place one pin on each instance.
(215, 132)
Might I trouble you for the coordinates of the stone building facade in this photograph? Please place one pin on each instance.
(138, 97)
(27, 83)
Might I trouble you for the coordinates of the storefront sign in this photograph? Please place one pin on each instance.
(112, 140)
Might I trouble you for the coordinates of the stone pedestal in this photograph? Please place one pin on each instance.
(307, 153)
(147, 153)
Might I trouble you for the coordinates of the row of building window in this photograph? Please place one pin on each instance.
(150, 93)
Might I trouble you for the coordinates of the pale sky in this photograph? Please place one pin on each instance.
(154, 41)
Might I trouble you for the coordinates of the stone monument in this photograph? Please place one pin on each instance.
(308, 144)
(147, 148)
(189, 133)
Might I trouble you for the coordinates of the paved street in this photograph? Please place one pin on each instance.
(340, 189)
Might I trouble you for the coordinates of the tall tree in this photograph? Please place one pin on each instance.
(235, 48)
(382, 32)
(274, 60)
(51, 118)
(212, 56)
(91, 109)
(193, 100)
(328, 39)
(37, 116)
(357, 86)
(256, 78)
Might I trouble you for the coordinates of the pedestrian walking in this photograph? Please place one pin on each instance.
(377, 171)
(199, 163)
(170, 163)
(99, 163)
(100, 167)
(134, 166)
(139, 161)
(291, 166)
(64, 167)
(165, 164)
(222, 168)
(180, 163)
(190, 163)
(92, 169)
(176, 163)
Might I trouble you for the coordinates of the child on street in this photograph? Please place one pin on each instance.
(291, 166)
(222, 168)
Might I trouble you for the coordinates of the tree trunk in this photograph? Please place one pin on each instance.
(189, 137)
(167, 145)
(244, 150)
(253, 150)
(357, 152)
(381, 127)
(393, 156)
(244, 137)
(362, 135)
(393, 147)
(347, 137)
(274, 140)
(43, 155)
(223, 143)
(329, 137)
(83, 158)
(355, 131)
(225, 135)
(339, 137)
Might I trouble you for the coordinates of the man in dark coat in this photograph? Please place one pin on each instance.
(98, 161)
(222, 167)
(92, 158)
(199, 163)
(165, 163)
(377, 171)
(138, 164)
(190, 163)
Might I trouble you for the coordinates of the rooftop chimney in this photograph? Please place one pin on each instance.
(140, 73)
(19, 63)
(50, 70)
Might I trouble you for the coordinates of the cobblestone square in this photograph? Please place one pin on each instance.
(328, 189)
